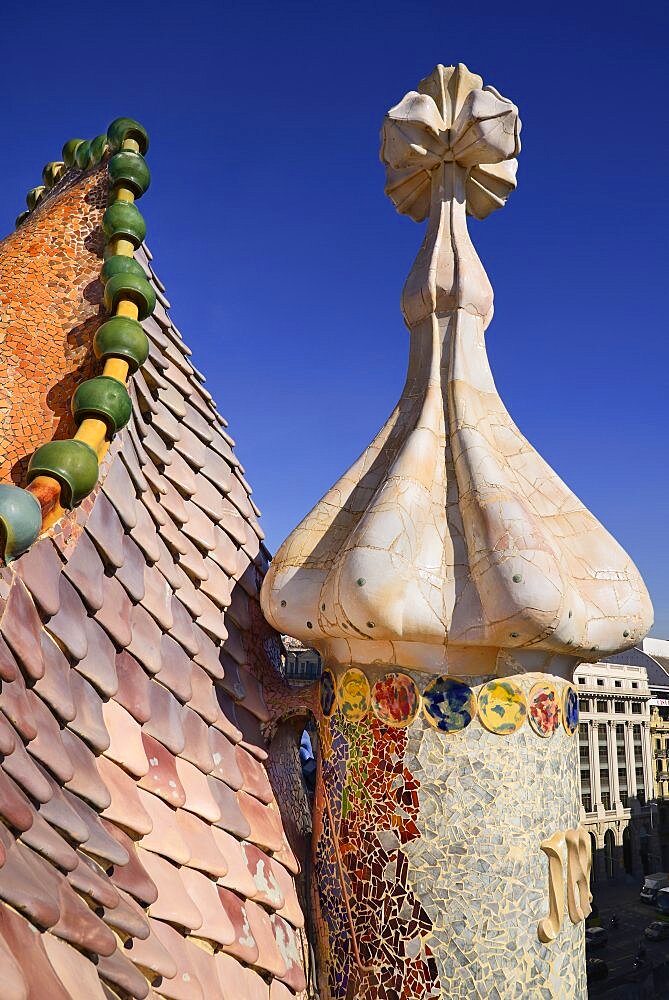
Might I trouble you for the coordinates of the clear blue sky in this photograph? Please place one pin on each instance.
(284, 261)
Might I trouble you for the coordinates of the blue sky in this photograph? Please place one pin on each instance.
(284, 261)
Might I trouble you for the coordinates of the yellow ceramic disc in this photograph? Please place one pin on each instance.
(502, 707)
(353, 695)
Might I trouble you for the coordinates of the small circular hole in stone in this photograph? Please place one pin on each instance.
(370, 624)
(309, 625)
(626, 633)
(283, 604)
(515, 635)
(361, 581)
(517, 578)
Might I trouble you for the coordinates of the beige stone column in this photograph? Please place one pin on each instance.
(629, 758)
(593, 730)
(647, 760)
(614, 784)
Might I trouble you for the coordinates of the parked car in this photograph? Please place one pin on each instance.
(595, 938)
(657, 930)
(662, 901)
(652, 885)
(596, 970)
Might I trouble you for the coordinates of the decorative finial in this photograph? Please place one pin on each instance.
(450, 540)
(452, 117)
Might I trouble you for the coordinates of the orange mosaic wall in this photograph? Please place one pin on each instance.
(49, 311)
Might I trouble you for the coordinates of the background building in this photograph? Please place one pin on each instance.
(301, 665)
(616, 770)
(657, 651)
(624, 759)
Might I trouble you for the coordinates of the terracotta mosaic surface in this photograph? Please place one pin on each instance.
(140, 835)
(49, 311)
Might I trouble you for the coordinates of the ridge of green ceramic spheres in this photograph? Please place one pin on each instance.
(69, 149)
(129, 170)
(20, 521)
(131, 286)
(82, 155)
(51, 173)
(71, 463)
(34, 196)
(103, 398)
(118, 263)
(21, 218)
(127, 128)
(98, 148)
(121, 337)
(123, 219)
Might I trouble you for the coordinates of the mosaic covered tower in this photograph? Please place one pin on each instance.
(452, 582)
(142, 851)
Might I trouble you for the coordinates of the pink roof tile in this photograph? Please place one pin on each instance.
(291, 909)
(165, 838)
(261, 869)
(216, 925)
(205, 854)
(125, 734)
(162, 778)
(184, 985)
(237, 876)
(243, 944)
(269, 957)
(76, 973)
(264, 820)
(151, 955)
(173, 903)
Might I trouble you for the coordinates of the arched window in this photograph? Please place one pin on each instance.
(627, 851)
(609, 845)
(593, 855)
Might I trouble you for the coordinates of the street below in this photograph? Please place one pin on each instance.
(624, 982)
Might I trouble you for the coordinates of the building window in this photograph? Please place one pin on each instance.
(600, 682)
(602, 706)
(584, 704)
(635, 684)
(636, 708)
(581, 680)
(618, 684)
(619, 706)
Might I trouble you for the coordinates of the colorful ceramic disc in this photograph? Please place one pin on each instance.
(502, 707)
(448, 704)
(328, 694)
(544, 709)
(353, 695)
(570, 709)
(395, 700)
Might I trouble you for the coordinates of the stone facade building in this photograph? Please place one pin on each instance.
(658, 679)
(616, 766)
(300, 665)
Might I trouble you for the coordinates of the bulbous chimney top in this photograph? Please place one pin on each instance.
(450, 538)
